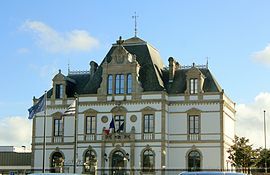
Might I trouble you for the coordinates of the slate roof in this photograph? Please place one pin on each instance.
(152, 74)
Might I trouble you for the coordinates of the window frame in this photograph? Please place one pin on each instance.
(194, 124)
(110, 84)
(58, 128)
(90, 125)
(193, 85)
(59, 91)
(129, 83)
(148, 123)
(119, 84)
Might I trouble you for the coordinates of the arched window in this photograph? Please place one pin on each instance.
(118, 163)
(129, 83)
(90, 162)
(148, 161)
(57, 163)
(194, 161)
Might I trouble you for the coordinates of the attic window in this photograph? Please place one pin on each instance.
(193, 83)
(119, 84)
(59, 91)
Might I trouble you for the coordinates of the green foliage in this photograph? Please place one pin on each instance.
(241, 154)
(263, 157)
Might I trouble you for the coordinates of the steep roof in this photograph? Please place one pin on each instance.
(152, 74)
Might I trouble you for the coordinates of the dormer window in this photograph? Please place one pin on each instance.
(109, 84)
(193, 82)
(59, 91)
(119, 84)
(129, 84)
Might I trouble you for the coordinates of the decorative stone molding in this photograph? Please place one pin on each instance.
(104, 119)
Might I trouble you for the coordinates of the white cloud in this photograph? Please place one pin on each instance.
(15, 131)
(250, 119)
(53, 41)
(263, 56)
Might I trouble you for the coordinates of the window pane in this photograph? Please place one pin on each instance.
(58, 127)
(129, 84)
(148, 161)
(122, 81)
(119, 123)
(59, 91)
(90, 124)
(194, 124)
(117, 84)
(148, 123)
(109, 86)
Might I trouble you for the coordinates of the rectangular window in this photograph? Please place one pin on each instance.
(193, 85)
(59, 91)
(129, 84)
(109, 84)
(58, 127)
(194, 124)
(149, 123)
(119, 123)
(90, 125)
(119, 84)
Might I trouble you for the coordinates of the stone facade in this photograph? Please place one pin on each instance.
(133, 113)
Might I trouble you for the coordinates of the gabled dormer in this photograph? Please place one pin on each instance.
(59, 87)
(194, 81)
(120, 73)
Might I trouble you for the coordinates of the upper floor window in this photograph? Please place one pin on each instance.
(194, 124)
(148, 123)
(109, 85)
(58, 127)
(129, 83)
(119, 121)
(119, 84)
(193, 85)
(90, 127)
(59, 91)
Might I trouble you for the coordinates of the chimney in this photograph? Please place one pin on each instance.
(93, 68)
(172, 67)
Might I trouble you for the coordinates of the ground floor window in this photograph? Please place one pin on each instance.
(57, 163)
(90, 162)
(194, 161)
(148, 161)
(118, 163)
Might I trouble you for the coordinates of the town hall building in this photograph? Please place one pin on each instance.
(132, 114)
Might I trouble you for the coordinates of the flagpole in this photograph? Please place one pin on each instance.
(75, 134)
(44, 134)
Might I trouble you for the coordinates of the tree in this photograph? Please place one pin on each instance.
(242, 155)
(264, 157)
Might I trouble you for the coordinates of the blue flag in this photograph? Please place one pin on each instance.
(40, 106)
(112, 124)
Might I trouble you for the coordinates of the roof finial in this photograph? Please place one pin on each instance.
(135, 22)
(120, 41)
(207, 62)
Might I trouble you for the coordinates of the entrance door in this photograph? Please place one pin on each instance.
(118, 163)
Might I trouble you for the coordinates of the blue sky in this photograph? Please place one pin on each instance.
(39, 37)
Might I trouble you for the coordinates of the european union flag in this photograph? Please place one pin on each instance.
(40, 106)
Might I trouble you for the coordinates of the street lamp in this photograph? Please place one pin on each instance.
(264, 126)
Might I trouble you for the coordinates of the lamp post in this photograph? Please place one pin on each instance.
(264, 126)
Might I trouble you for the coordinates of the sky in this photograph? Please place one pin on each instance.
(37, 38)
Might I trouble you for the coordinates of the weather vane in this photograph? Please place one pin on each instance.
(135, 21)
